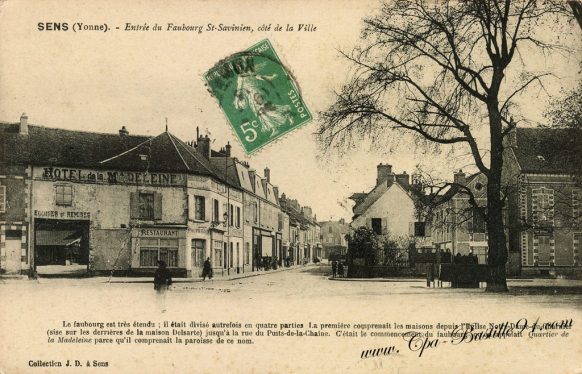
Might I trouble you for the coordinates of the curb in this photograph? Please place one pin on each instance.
(393, 280)
(216, 279)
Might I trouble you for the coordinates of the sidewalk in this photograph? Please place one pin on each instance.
(149, 279)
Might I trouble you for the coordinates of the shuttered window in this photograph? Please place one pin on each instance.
(199, 208)
(146, 205)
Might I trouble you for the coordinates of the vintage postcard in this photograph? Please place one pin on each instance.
(373, 186)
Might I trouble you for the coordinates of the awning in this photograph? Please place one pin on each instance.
(57, 237)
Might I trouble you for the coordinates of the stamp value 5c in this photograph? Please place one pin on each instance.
(258, 95)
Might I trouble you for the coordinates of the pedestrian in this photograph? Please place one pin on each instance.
(340, 269)
(333, 268)
(207, 269)
(162, 282)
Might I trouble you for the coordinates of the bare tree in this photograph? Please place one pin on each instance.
(438, 70)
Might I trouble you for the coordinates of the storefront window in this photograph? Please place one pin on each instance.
(64, 195)
(153, 249)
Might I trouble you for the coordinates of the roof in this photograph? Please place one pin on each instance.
(71, 148)
(548, 150)
(60, 147)
(375, 194)
(342, 228)
(164, 153)
(358, 197)
(220, 163)
(295, 217)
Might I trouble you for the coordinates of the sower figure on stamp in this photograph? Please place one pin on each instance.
(250, 91)
(207, 270)
(162, 282)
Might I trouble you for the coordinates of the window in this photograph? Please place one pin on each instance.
(377, 226)
(199, 208)
(198, 249)
(479, 225)
(2, 198)
(231, 215)
(543, 205)
(215, 211)
(330, 229)
(255, 212)
(419, 229)
(146, 205)
(576, 208)
(280, 221)
(64, 195)
(238, 216)
(217, 244)
(152, 250)
(237, 254)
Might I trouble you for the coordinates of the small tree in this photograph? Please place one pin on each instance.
(363, 243)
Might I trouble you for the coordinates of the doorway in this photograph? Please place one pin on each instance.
(61, 247)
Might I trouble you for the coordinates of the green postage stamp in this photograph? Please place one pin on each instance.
(258, 95)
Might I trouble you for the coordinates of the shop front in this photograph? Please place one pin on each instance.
(61, 242)
(159, 243)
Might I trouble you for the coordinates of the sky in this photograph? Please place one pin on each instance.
(100, 81)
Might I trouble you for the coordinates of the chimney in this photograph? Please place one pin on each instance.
(123, 131)
(268, 175)
(459, 177)
(23, 130)
(203, 146)
(403, 179)
(227, 149)
(511, 137)
(384, 171)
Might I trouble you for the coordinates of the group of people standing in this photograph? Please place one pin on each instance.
(337, 269)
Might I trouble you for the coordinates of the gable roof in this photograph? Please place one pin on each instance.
(548, 150)
(365, 202)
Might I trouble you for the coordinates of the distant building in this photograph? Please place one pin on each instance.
(391, 208)
(333, 237)
(458, 227)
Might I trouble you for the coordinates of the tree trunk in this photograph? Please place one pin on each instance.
(496, 241)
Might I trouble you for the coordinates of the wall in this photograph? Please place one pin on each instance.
(396, 206)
